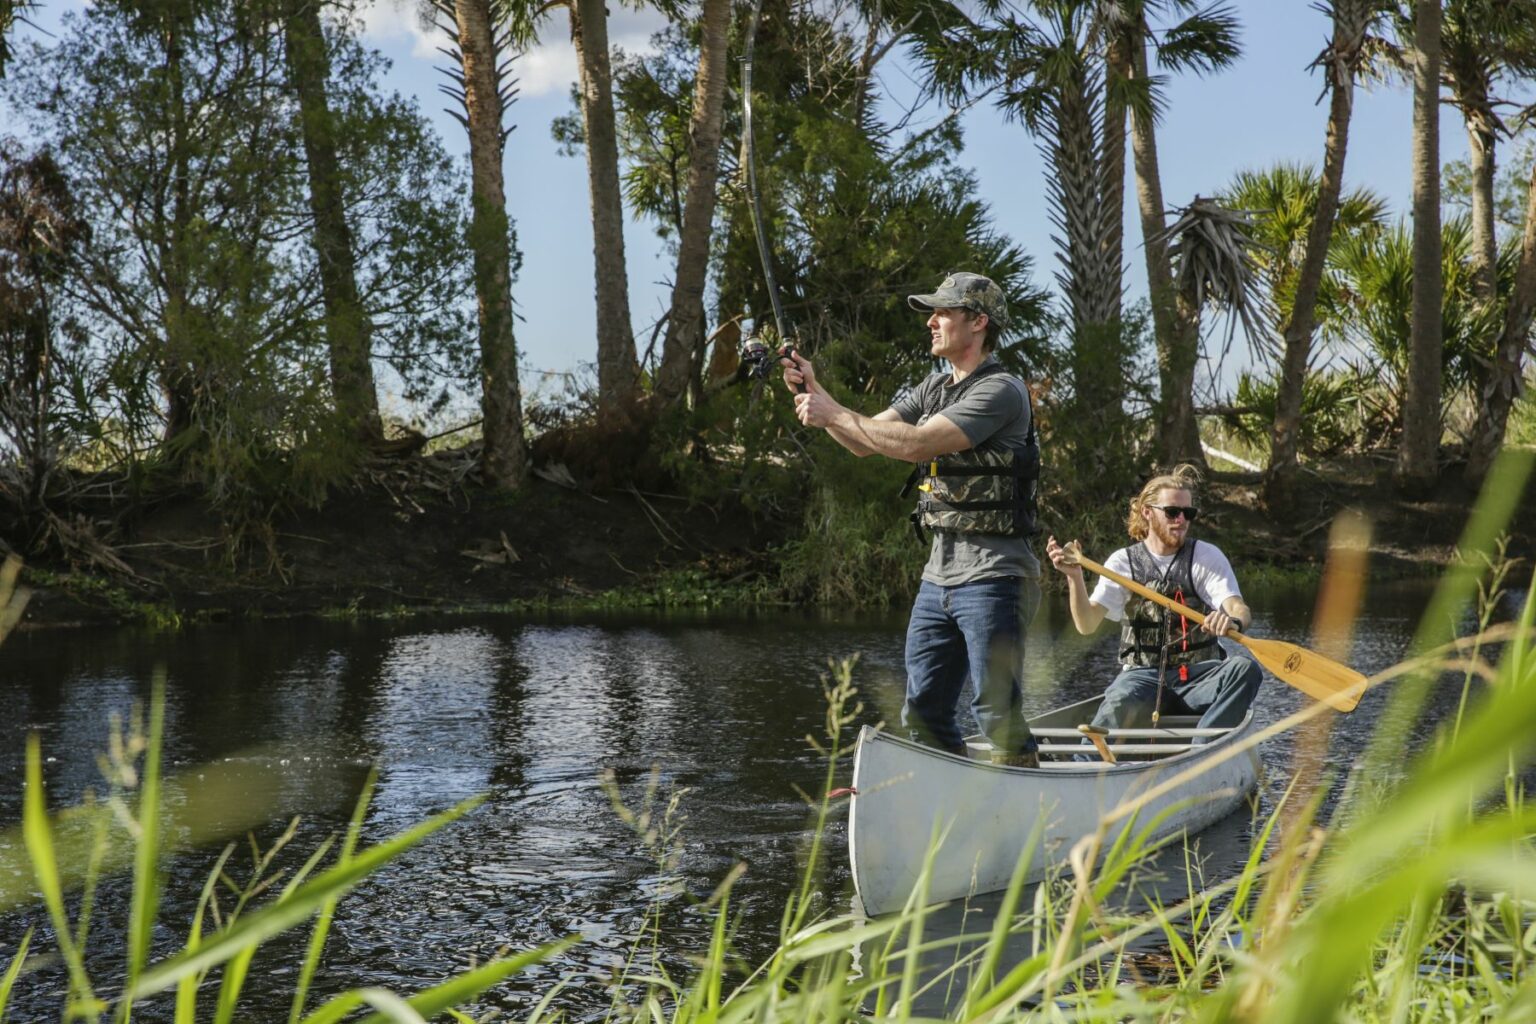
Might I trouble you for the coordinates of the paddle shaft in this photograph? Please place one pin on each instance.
(1150, 594)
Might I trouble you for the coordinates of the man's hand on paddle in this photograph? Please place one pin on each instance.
(1063, 557)
(1223, 619)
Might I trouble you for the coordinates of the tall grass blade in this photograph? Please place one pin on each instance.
(279, 917)
(8, 980)
(239, 966)
(45, 870)
(145, 901)
(455, 992)
(186, 988)
(328, 909)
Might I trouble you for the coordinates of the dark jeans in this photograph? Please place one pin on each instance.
(975, 632)
(1218, 691)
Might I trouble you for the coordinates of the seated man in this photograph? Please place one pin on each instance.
(1170, 665)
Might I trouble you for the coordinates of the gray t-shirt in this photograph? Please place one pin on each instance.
(993, 408)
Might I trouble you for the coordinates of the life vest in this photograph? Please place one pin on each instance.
(986, 489)
(1147, 627)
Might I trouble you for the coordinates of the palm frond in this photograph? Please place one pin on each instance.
(1214, 249)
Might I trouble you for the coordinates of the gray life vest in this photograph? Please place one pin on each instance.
(1146, 627)
(986, 489)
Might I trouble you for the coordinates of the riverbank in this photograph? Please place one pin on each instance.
(417, 539)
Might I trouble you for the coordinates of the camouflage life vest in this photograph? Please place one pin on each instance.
(986, 489)
(1146, 627)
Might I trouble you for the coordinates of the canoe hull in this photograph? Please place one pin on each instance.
(981, 815)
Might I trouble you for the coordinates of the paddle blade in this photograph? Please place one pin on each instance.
(1338, 686)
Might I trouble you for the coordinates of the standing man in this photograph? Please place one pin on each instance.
(971, 433)
(1168, 664)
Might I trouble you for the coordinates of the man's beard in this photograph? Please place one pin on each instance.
(1164, 534)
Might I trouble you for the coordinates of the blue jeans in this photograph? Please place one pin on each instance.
(975, 632)
(1218, 691)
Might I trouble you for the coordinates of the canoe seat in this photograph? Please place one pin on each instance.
(1120, 749)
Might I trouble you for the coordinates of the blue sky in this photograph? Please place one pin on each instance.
(1259, 112)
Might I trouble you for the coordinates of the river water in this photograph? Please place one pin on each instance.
(531, 713)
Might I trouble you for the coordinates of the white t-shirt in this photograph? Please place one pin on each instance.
(1209, 569)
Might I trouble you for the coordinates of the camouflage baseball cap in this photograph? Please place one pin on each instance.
(965, 291)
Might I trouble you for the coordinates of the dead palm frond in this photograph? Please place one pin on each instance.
(1214, 249)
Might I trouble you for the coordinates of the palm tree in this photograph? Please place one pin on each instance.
(684, 344)
(347, 327)
(1282, 201)
(1049, 75)
(12, 13)
(1505, 375)
(1340, 62)
(1484, 45)
(1417, 456)
(1214, 256)
(1205, 40)
(482, 49)
(617, 368)
(1371, 309)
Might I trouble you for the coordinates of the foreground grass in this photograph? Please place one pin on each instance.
(1416, 902)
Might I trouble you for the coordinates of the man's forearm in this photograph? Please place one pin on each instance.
(849, 440)
(1240, 613)
(1086, 615)
(863, 435)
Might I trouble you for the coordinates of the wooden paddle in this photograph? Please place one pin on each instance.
(1096, 734)
(1337, 685)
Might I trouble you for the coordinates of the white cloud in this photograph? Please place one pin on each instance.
(549, 67)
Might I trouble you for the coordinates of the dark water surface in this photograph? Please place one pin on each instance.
(530, 713)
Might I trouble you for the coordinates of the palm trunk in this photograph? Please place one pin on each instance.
(617, 371)
(1481, 141)
(1112, 177)
(1417, 468)
(348, 330)
(1089, 281)
(681, 352)
(1505, 378)
(1340, 63)
(1175, 320)
(504, 460)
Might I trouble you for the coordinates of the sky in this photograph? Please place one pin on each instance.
(1261, 111)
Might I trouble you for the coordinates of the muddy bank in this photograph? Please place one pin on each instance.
(399, 544)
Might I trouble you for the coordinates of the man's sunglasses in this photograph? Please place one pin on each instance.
(1172, 512)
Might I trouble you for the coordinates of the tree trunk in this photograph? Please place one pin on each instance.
(1340, 63)
(177, 376)
(682, 350)
(1505, 379)
(1175, 320)
(1417, 467)
(348, 330)
(617, 371)
(504, 460)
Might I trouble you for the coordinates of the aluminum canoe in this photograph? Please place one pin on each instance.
(907, 794)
